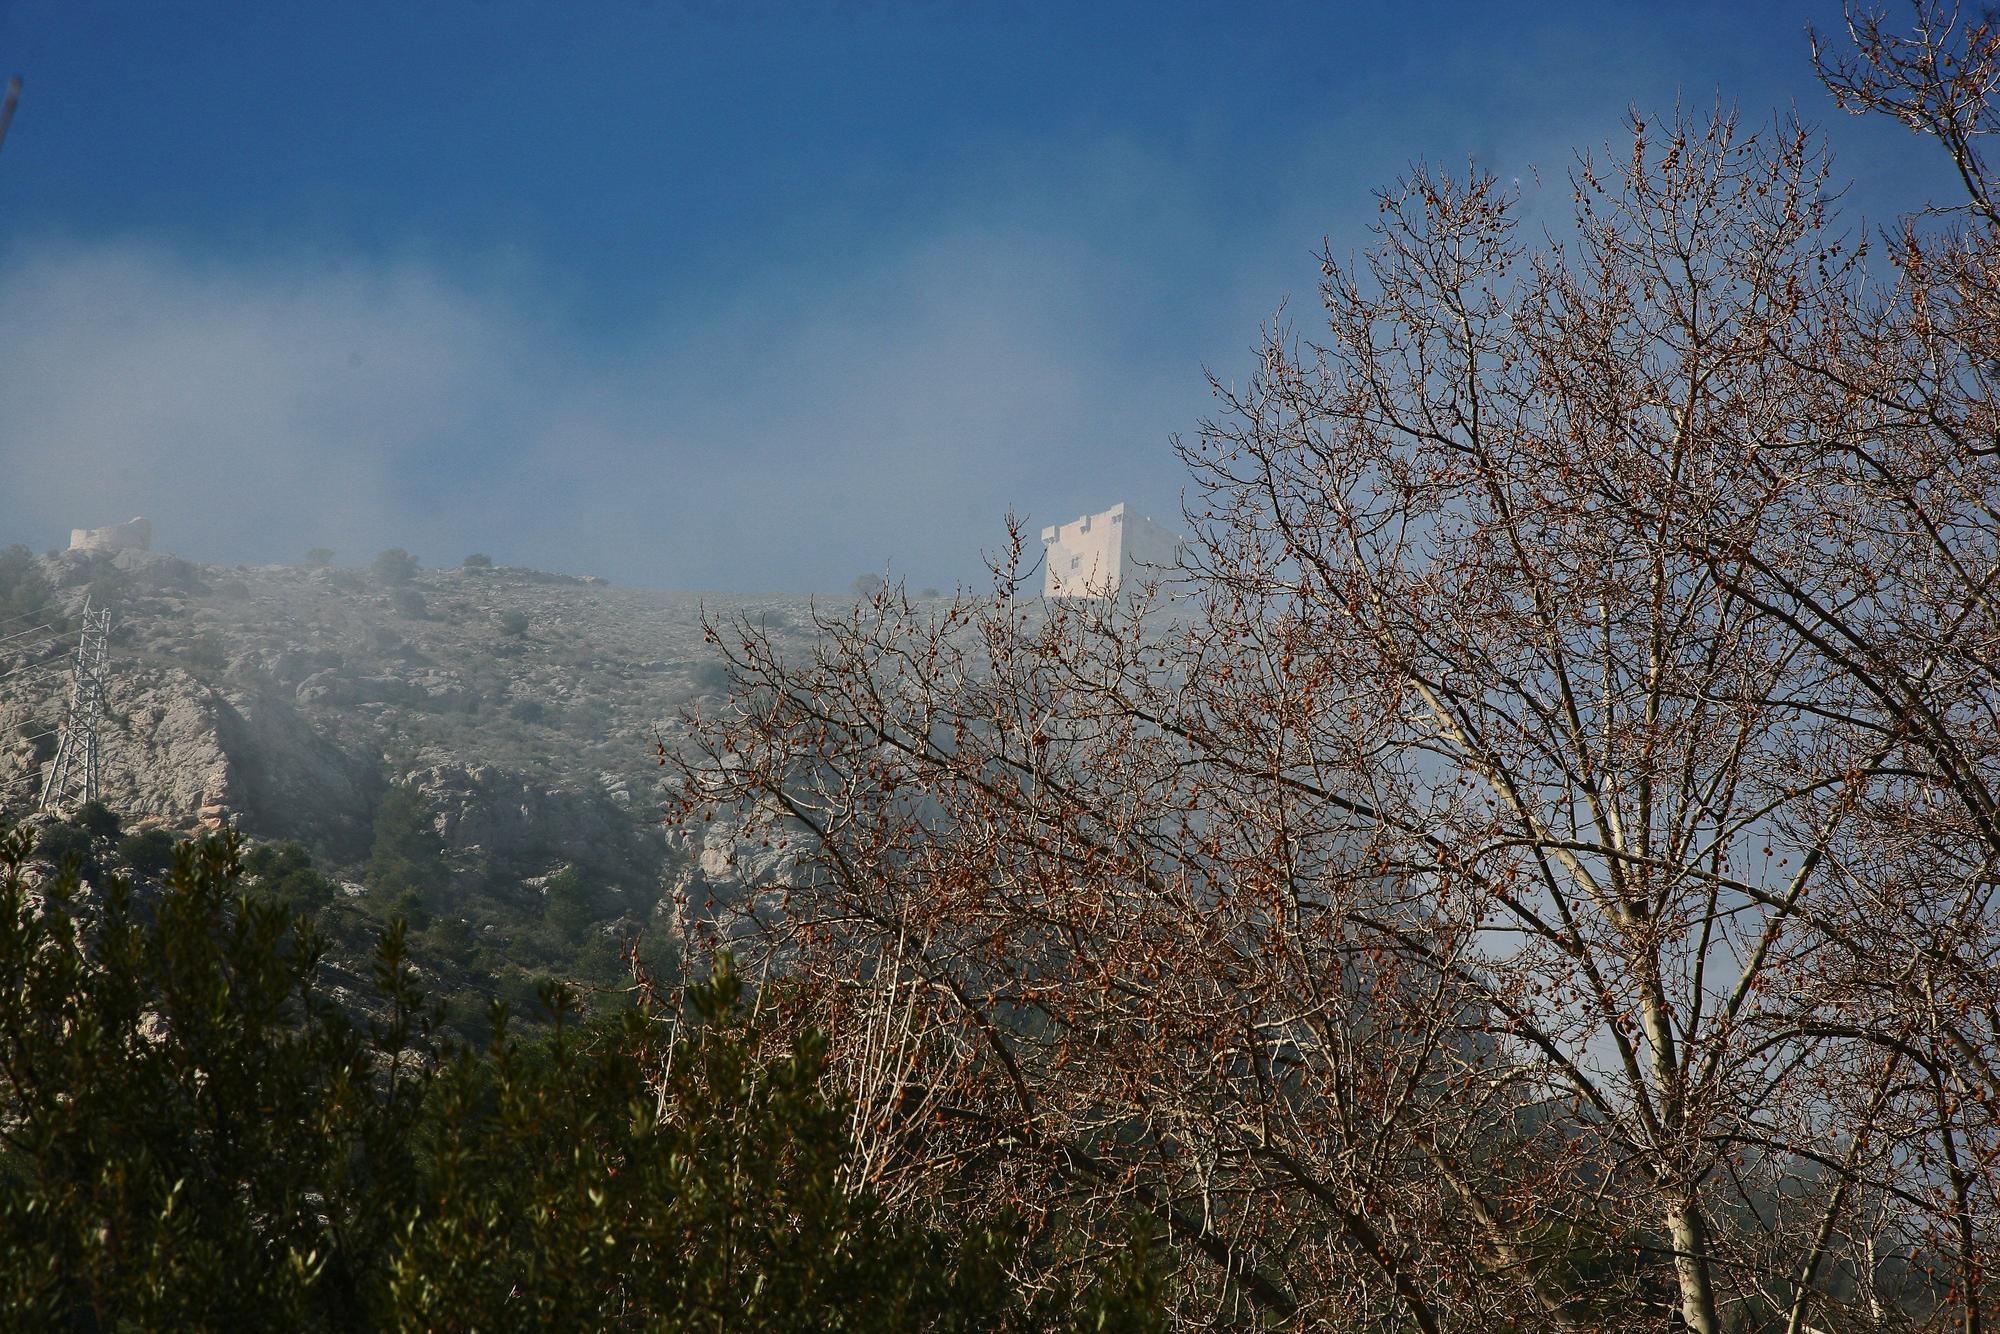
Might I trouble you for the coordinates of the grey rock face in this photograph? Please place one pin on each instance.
(126, 570)
(285, 700)
(721, 866)
(291, 781)
(163, 750)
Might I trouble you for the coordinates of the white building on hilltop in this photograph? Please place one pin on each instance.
(1101, 555)
(132, 535)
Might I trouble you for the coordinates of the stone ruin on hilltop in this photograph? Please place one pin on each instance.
(133, 535)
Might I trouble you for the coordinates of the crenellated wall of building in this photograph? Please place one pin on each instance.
(1101, 555)
(132, 535)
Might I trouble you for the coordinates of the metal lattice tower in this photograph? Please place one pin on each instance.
(72, 775)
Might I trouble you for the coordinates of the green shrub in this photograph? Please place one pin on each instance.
(405, 906)
(394, 566)
(513, 623)
(203, 1142)
(197, 1138)
(205, 652)
(478, 560)
(409, 602)
(97, 820)
(109, 586)
(407, 856)
(149, 852)
(66, 843)
(24, 593)
(450, 938)
(567, 904)
(284, 873)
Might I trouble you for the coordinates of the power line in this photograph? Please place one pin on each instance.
(23, 634)
(18, 674)
(72, 775)
(19, 782)
(27, 782)
(26, 653)
(54, 650)
(36, 638)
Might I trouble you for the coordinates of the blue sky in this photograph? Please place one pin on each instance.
(748, 297)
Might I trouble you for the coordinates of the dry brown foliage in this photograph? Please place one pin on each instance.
(1540, 873)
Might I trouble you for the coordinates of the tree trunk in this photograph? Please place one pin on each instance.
(1689, 1233)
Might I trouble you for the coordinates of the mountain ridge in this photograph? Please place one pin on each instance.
(524, 705)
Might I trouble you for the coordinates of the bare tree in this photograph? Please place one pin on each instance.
(1077, 955)
(1544, 877)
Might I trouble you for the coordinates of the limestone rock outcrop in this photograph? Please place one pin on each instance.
(285, 700)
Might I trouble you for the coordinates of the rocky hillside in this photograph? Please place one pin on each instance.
(524, 706)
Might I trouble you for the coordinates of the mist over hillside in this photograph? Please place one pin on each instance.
(524, 706)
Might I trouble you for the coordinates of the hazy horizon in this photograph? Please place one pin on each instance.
(731, 300)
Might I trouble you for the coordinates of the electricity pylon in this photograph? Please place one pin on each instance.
(72, 776)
